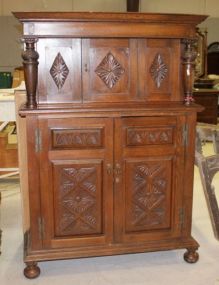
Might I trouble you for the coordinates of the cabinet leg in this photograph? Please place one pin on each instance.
(191, 255)
(31, 270)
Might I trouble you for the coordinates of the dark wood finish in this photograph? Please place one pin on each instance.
(132, 5)
(208, 98)
(31, 270)
(213, 58)
(191, 256)
(189, 57)
(112, 162)
(30, 63)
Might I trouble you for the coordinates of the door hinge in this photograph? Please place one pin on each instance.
(38, 140)
(41, 227)
(181, 217)
(185, 133)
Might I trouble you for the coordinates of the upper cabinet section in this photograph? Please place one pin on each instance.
(84, 58)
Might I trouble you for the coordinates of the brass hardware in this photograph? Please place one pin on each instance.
(109, 169)
(41, 227)
(38, 141)
(117, 180)
(181, 217)
(86, 67)
(118, 169)
(185, 132)
(118, 172)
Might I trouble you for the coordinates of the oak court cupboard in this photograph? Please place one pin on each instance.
(110, 133)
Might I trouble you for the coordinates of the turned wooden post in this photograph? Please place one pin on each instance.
(188, 62)
(30, 62)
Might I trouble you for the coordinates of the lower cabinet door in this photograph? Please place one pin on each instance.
(76, 181)
(149, 179)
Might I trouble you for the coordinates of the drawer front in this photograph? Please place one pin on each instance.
(82, 138)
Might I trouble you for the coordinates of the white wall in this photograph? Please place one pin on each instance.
(10, 29)
(210, 7)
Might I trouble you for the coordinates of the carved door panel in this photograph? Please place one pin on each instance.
(109, 68)
(159, 69)
(148, 185)
(59, 70)
(76, 184)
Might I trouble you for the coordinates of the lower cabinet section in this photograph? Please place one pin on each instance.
(104, 186)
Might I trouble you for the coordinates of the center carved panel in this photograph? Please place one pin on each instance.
(158, 70)
(59, 71)
(109, 70)
(77, 201)
(148, 196)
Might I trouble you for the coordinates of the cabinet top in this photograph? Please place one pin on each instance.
(98, 24)
(108, 17)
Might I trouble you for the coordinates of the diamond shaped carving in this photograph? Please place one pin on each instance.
(59, 71)
(109, 70)
(158, 70)
(78, 201)
(149, 192)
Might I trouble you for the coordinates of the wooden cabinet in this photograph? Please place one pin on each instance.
(111, 127)
(208, 98)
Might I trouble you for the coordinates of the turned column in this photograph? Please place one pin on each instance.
(188, 61)
(30, 62)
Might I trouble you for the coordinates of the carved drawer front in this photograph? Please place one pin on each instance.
(77, 138)
(77, 198)
(148, 197)
(149, 131)
(160, 65)
(59, 70)
(148, 136)
(109, 68)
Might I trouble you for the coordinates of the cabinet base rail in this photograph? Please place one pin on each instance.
(32, 257)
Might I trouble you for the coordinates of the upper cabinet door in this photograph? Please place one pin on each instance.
(109, 68)
(59, 70)
(159, 69)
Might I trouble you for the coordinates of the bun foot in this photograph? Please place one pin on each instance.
(191, 255)
(31, 270)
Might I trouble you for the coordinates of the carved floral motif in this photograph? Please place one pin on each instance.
(77, 201)
(59, 71)
(109, 70)
(158, 70)
(147, 136)
(77, 138)
(149, 194)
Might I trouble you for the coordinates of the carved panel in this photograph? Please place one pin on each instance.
(78, 138)
(158, 70)
(59, 71)
(109, 70)
(78, 203)
(149, 186)
(148, 195)
(148, 136)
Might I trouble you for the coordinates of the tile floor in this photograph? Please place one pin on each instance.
(167, 267)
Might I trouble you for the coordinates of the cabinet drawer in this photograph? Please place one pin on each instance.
(140, 132)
